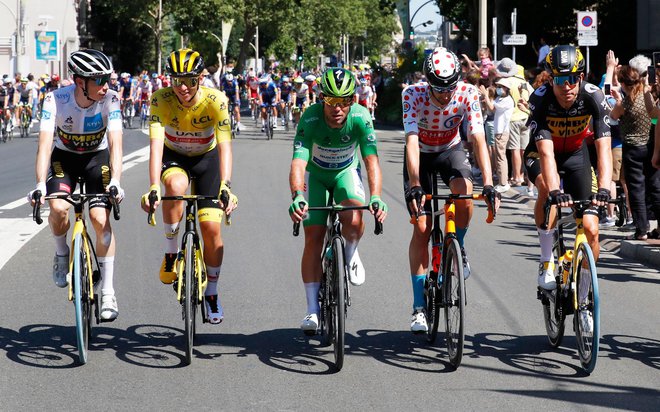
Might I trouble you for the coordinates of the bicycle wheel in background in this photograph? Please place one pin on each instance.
(453, 286)
(187, 294)
(81, 297)
(554, 317)
(338, 299)
(587, 316)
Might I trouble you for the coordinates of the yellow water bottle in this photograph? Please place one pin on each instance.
(566, 265)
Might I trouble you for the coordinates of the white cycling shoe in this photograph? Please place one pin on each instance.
(214, 312)
(109, 309)
(356, 274)
(418, 323)
(61, 271)
(310, 323)
(547, 276)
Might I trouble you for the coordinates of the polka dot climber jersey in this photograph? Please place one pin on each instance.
(438, 128)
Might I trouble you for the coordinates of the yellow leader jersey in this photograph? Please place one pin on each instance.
(190, 131)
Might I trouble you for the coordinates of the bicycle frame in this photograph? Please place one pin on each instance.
(191, 228)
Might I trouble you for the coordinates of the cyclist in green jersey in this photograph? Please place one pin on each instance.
(325, 161)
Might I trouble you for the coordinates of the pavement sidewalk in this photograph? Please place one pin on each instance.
(613, 239)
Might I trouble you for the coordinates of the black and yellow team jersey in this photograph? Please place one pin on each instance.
(190, 131)
(568, 128)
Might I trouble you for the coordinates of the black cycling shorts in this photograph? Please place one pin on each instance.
(450, 164)
(93, 168)
(203, 168)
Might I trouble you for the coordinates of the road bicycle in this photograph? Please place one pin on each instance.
(334, 295)
(144, 114)
(576, 292)
(269, 122)
(191, 273)
(233, 122)
(445, 285)
(256, 113)
(286, 112)
(84, 273)
(6, 126)
(127, 113)
(24, 121)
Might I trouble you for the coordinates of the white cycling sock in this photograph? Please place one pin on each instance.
(546, 239)
(350, 248)
(171, 237)
(213, 273)
(107, 266)
(312, 294)
(61, 248)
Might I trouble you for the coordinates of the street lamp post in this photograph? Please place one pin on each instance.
(256, 50)
(221, 53)
(410, 22)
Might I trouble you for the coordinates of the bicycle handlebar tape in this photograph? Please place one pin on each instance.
(153, 198)
(36, 210)
(113, 199)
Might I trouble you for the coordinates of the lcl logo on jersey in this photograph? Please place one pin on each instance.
(200, 123)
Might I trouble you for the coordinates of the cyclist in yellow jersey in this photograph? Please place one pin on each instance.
(190, 137)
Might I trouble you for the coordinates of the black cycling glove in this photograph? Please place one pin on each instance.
(603, 195)
(558, 197)
(416, 193)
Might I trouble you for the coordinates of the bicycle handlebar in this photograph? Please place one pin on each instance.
(73, 199)
(579, 203)
(153, 197)
(339, 208)
(452, 197)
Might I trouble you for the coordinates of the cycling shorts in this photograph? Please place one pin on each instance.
(285, 98)
(254, 94)
(578, 177)
(268, 101)
(450, 164)
(204, 168)
(322, 187)
(67, 167)
(233, 100)
(300, 101)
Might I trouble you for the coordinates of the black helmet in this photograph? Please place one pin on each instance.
(442, 68)
(564, 59)
(184, 63)
(89, 63)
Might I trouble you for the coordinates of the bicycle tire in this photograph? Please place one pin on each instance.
(553, 313)
(187, 295)
(326, 321)
(338, 301)
(232, 123)
(586, 285)
(453, 286)
(432, 308)
(81, 308)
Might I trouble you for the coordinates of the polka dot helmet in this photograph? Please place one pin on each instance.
(442, 68)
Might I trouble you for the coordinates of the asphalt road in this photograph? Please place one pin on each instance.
(257, 359)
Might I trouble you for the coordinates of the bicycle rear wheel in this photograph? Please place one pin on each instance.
(188, 295)
(81, 299)
(587, 315)
(338, 299)
(553, 310)
(453, 287)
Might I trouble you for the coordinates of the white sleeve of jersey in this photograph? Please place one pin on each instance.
(113, 111)
(48, 114)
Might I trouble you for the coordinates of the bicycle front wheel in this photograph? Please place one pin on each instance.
(432, 307)
(587, 314)
(453, 287)
(81, 297)
(338, 299)
(188, 294)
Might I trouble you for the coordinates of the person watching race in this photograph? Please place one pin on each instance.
(561, 114)
(88, 144)
(190, 138)
(229, 85)
(432, 116)
(269, 95)
(325, 161)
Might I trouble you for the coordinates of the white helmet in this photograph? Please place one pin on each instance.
(89, 63)
(229, 77)
(310, 78)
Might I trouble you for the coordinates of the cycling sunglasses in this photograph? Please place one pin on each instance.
(187, 81)
(443, 89)
(338, 101)
(100, 81)
(569, 79)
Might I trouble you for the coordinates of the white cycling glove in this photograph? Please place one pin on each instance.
(114, 182)
(41, 186)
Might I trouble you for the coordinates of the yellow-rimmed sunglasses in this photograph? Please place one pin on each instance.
(187, 81)
(338, 101)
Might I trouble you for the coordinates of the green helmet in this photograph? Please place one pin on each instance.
(337, 82)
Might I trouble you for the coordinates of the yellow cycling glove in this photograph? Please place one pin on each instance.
(145, 202)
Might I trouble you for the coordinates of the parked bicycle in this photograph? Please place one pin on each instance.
(445, 283)
(84, 273)
(334, 295)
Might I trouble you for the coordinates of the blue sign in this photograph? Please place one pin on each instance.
(47, 45)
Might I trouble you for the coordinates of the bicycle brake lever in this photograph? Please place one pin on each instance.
(36, 209)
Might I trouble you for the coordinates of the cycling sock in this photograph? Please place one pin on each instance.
(546, 239)
(171, 237)
(460, 234)
(213, 273)
(107, 266)
(418, 290)
(350, 248)
(312, 294)
(61, 248)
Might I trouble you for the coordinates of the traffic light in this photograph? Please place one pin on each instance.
(299, 53)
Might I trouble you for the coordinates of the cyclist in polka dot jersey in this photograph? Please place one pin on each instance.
(432, 115)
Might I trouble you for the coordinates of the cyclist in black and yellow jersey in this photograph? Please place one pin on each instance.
(564, 113)
(190, 137)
